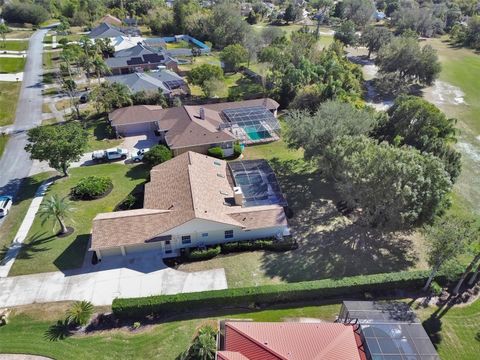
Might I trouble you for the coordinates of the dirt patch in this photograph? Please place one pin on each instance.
(443, 93)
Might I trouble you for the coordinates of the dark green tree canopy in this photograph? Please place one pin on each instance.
(59, 145)
(157, 155)
(374, 37)
(233, 56)
(333, 119)
(404, 57)
(415, 122)
(346, 33)
(394, 187)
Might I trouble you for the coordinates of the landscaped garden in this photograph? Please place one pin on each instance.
(9, 92)
(28, 331)
(43, 250)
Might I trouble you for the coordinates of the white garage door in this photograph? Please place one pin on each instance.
(130, 129)
(111, 252)
(155, 246)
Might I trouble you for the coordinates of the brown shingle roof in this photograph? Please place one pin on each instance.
(184, 125)
(190, 186)
(135, 114)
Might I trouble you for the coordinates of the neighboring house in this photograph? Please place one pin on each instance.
(129, 21)
(247, 340)
(195, 200)
(388, 330)
(139, 58)
(111, 20)
(200, 127)
(125, 42)
(166, 81)
(105, 30)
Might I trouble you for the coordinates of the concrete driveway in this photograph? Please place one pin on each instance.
(131, 276)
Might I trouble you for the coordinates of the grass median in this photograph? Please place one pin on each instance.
(12, 65)
(9, 92)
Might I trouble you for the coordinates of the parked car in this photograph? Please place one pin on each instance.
(110, 154)
(5, 205)
(138, 155)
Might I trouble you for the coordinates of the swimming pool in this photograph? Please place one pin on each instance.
(256, 133)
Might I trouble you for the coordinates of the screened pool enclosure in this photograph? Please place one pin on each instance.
(250, 125)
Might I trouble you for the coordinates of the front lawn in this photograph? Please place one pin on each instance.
(9, 92)
(330, 245)
(21, 202)
(13, 45)
(12, 65)
(43, 251)
(100, 134)
(26, 333)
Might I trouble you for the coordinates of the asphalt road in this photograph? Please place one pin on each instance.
(15, 163)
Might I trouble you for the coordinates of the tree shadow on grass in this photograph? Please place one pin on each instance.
(330, 245)
(59, 331)
(39, 242)
(72, 257)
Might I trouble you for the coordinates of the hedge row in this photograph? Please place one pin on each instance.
(261, 244)
(204, 254)
(268, 294)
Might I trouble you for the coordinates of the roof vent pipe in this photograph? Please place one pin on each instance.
(202, 113)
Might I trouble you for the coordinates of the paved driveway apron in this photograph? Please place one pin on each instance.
(130, 276)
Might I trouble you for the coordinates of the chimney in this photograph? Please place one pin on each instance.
(202, 113)
(238, 195)
(265, 102)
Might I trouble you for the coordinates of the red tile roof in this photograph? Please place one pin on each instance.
(291, 341)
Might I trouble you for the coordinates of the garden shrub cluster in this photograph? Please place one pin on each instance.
(269, 294)
(216, 152)
(204, 254)
(91, 187)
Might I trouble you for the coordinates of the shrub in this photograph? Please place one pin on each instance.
(436, 288)
(269, 294)
(216, 152)
(204, 254)
(157, 155)
(237, 150)
(136, 325)
(80, 312)
(91, 187)
(132, 201)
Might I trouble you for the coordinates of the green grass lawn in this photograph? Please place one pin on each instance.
(326, 239)
(3, 143)
(26, 332)
(13, 45)
(19, 34)
(43, 251)
(454, 332)
(9, 92)
(12, 65)
(460, 68)
(21, 202)
(50, 59)
(100, 135)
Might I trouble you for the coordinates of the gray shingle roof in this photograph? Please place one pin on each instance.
(105, 30)
(146, 81)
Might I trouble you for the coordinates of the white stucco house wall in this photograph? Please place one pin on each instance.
(193, 200)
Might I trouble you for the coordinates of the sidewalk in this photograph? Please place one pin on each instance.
(12, 77)
(7, 262)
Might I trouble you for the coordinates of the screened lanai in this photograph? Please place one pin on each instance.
(251, 125)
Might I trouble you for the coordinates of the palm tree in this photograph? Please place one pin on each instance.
(57, 209)
(99, 67)
(205, 344)
(80, 312)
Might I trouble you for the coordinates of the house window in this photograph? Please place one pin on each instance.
(204, 234)
(167, 242)
(229, 234)
(186, 239)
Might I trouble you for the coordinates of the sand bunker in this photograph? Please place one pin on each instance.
(442, 93)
